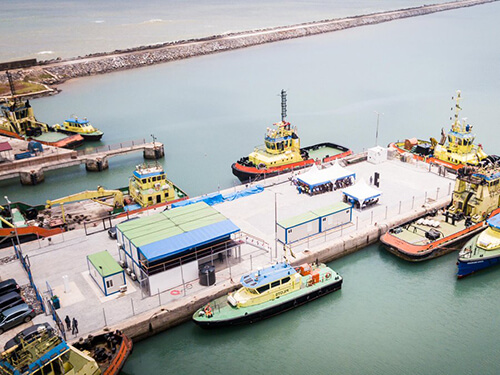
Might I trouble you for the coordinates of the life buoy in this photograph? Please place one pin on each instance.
(157, 187)
(175, 292)
(328, 275)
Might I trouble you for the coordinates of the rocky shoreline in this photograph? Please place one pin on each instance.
(56, 71)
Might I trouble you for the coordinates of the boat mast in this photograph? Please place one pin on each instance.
(456, 123)
(12, 88)
(283, 105)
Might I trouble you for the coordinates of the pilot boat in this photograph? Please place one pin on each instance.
(482, 251)
(268, 292)
(83, 127)
(281, 152)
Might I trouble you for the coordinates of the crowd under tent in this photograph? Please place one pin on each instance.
(321, 180)
(167, 249)
(361, 195)
(313, 222)
(106, 272)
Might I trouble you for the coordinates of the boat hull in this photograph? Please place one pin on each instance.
(252, 173)
(467, 267)
(434, 249)
(87, 137)
(273, 310)
(119, 354)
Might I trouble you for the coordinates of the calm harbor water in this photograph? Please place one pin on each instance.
(391, 317)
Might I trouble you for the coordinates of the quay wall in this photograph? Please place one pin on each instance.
(147, 324)
(101, 63)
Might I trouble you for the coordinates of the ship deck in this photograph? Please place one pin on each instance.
(414, 233)
(322, 152)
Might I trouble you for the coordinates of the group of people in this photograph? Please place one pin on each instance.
(329, 186)
(71, 325)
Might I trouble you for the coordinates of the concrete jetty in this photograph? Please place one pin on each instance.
(409, 190)
(57, 71)
(31, 170)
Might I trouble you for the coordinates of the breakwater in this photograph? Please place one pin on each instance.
(57, 71)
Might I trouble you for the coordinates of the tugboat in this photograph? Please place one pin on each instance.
(46, 354)
(453, 151)
(149, 188)
(110, 350)
(282, 153)
(269, 292)
(18, 121)
(482, 251)
(83, 127)
(476, 197)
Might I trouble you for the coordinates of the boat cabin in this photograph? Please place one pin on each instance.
(265, 285)
(77, 125)
(149, 186)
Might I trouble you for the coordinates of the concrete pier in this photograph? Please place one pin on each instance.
(32, 177)
(31, 170)
(409, 190)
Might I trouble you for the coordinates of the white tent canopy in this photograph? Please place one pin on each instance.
(361, 192)
(315, 177)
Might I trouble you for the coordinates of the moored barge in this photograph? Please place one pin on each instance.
(476, 197)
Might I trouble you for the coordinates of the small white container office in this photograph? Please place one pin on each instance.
(106, 272)
(333, 216)
(377, 155)
(313, 222)
(298, 227)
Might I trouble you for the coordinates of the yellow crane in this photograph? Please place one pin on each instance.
(92, 195)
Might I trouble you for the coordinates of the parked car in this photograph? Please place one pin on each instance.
(9, 285)
(16, 315)
(9, 300)
(29, 334)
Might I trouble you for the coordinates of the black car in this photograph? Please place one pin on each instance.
(29, 334)
(9, 285)
(9, 300)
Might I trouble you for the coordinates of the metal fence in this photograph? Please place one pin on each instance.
(113, 147)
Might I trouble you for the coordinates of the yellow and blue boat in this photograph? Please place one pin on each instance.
(281, 152)
(269, 292)
(482, 251)
(79, 126)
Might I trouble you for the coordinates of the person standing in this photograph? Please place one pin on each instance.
(75, 327)
(68, 323)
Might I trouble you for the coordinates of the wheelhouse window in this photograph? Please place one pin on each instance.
(285, 280)
(263, 288)
(275, 284)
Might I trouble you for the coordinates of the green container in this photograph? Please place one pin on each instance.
(56, 303)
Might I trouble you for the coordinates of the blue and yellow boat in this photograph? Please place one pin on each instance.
(482, 251)
(83, 127)
(269, 292)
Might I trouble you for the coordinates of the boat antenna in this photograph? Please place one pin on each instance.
(12, 87)
(283, 105)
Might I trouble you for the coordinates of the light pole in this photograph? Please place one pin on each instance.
(13, 223)
(376, 134)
